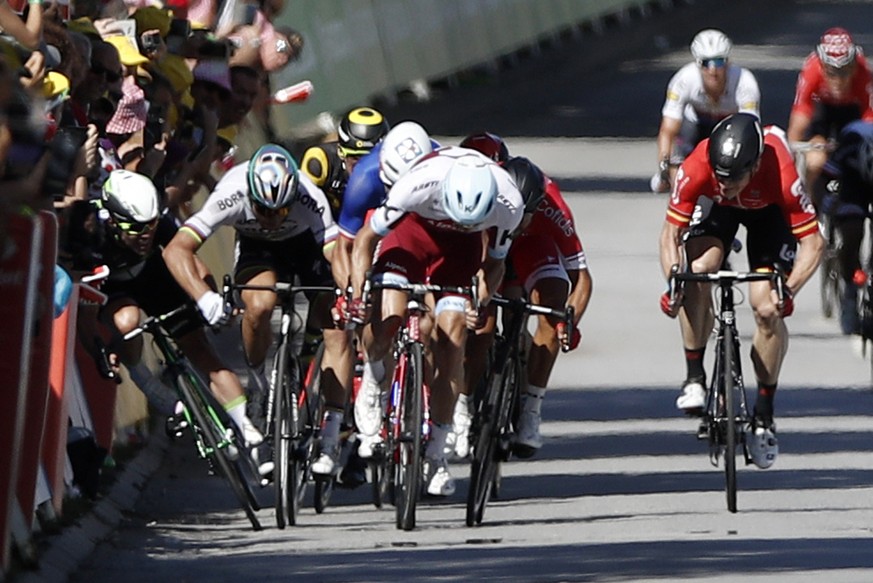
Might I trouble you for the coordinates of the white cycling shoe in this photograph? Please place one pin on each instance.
(368, 407)
(692, 397)
(763, 445)
(438, 481)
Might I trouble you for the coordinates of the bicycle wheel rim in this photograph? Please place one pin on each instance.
(730, 451)
(282, 442)
(409, 474)
(196, 402)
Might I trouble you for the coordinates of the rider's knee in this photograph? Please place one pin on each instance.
(259, 306)
(126, 319)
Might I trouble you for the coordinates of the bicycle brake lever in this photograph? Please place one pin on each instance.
(568, 326)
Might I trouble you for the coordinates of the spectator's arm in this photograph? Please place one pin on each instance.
(27, 33)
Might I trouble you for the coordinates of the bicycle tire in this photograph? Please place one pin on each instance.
(408, 474)
(382, 468)
(282, 435)
(495, 415)
(196, 402)
(730, 416)
(322, 491)
(831, 283)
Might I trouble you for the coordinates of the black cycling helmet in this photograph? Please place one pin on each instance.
(360, 130)
(489, 144)
(735, 145)
(528, 179)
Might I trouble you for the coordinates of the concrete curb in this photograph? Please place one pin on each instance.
(61, 555)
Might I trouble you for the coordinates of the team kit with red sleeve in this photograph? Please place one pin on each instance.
(775, 190)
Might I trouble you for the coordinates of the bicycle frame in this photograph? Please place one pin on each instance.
(726, 417)
(215, 436)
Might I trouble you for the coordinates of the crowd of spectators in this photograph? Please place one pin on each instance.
(163, 88)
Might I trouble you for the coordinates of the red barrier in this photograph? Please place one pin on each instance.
(19, 257)
(38, 382)
(101, 394)
(54, 447)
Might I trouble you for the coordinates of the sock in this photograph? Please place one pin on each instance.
(463, 403)
(374, 370)
(159, 395)
(330, 428)
(236, 409)
(764, 403)
(694, 363)
(437, 443)
(533, 399)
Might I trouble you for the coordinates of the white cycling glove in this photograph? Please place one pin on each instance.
(211, 305)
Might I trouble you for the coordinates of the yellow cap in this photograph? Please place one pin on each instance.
(228, 134)
(152, 18)
(127, 51)
(177, 72)
(83, 25)
(54, 85)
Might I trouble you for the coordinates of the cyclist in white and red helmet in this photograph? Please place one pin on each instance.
(833, 89)
(699, 95)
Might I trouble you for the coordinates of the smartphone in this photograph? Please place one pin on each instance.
(150, 41)
(154, 128)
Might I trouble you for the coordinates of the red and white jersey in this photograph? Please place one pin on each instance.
(554, 220)
(419, 191)
(812, 88)
(775, 182)
(687, 99)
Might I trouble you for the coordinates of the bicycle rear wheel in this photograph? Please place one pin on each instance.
(494, 414)
(730, 416)
(831, 280)
(408, 476)
(217, 441)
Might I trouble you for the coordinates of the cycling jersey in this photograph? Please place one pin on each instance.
(419, 191)
(327, 171)
(844, 164)
(775, 183)
(687, 99)
(364, 191)
(229, 204)
(553, 219)
(813, 91)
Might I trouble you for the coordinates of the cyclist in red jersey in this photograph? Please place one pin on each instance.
(547, 264)
(740, 175)
(833, 89)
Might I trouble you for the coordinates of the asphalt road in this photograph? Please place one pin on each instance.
(621, 490)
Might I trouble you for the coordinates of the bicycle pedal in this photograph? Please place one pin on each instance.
(703, 431)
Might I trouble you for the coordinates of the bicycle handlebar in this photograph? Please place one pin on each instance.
(566, 315)
(281, 288)
(728, 277)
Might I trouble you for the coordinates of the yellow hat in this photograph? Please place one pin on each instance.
(127, 51)
(55, 85)
(228, 133)
(176, 70)
(152, 18)
(83, 25)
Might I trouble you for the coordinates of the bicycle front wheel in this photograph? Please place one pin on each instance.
(729, 371)
(286, 422)
(220, 446)
(408, 476)
(494, 416)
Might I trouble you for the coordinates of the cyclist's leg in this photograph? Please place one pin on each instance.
(848, 220)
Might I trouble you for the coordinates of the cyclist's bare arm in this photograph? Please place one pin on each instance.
(809, 252)
(492, 274)
(362, 257)
(341, 261)
(798, 123)
(667, 137)
(670, 255)
(582, 284)
(180, 255)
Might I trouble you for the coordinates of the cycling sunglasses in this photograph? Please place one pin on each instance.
(717, 63)
(269, 213)
(131, 228)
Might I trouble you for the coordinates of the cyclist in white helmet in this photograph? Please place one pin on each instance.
(284, 229)
(699, 95)
(440, 219)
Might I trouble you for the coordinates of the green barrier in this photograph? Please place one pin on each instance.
(355, 50)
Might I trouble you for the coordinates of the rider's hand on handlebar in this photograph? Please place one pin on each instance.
(670, 303)
(575, 338)
(213, 308)
(475, 318)
(786, 308)
(358, 311)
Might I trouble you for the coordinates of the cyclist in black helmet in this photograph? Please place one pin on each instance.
(744, 175)
(329, 165)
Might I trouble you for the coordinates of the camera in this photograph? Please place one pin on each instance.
(154, 128)
(150, 41)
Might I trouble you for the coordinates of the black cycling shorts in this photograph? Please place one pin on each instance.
(769, 241)
(156, 291)
(829, 120)
(300, 256)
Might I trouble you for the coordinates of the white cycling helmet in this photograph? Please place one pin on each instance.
(710, 44)
(469, 191)
(129, 197)
(272, 177)
(406, 143)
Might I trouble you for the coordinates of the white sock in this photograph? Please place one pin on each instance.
(236, 409)
(463, 403)
(533, 399)
(159, 395)
(437, 443)
(330, 428)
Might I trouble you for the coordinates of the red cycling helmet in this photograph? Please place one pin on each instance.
(489, 144)
(836, 48)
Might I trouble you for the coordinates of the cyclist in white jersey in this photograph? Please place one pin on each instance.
(284, 229)
(699, 95)
(450, 217)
